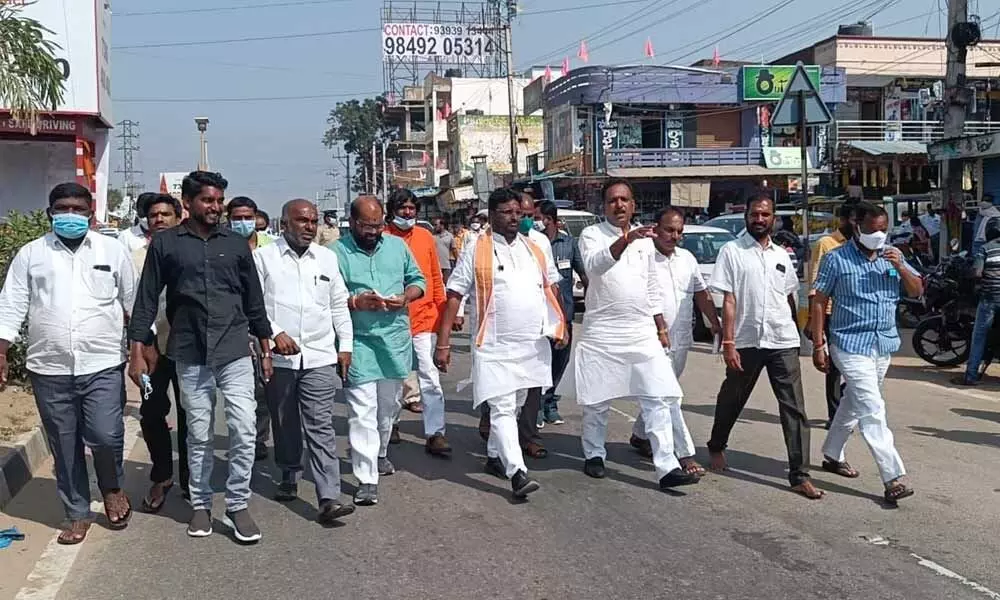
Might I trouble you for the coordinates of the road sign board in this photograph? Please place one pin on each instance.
(787, 112)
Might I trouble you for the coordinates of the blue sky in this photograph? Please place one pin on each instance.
(271, 150)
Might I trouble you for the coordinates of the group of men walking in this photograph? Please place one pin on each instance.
(277, 326)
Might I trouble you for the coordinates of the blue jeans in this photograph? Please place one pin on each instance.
(236, 382)
(980, 334)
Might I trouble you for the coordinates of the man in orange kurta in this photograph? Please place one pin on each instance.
(425, 314)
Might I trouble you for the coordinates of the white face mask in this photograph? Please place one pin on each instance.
(404, 224)
(872, 241)
(539, 226)
(474, 226)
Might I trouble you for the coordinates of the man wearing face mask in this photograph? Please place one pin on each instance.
(758, 332)
(242, 213)
(382, 278)
(138, 235)
(863, 276)
(825, 245)
(75, 288)
(425, 313)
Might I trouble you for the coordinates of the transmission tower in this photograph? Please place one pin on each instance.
(128, 146)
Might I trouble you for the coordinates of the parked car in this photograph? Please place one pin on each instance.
(574, 222)
(705, 242)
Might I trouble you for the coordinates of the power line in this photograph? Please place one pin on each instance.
(249, 99)
(209, 9)
(289, 36)
(247, 65)
(549, 11)
(746, 25)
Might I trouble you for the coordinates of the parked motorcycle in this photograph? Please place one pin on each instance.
(943, 337)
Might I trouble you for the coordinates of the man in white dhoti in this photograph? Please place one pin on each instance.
(620, 352)
(682, 288)
(515, 312)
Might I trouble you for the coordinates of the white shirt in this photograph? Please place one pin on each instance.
(74, 302)
(761, 280)
(618, 354)
(987, 213)
(515, 353)
(679, 279)
(306, 298)
(543, 242)
(133, 239)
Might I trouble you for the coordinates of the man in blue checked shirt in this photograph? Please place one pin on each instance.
(863, 276)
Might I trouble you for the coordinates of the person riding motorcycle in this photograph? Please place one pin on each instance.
(986, 268)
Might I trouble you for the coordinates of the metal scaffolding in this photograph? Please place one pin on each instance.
(486, 18)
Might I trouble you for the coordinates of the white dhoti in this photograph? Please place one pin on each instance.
(683, 444)
(608, 369)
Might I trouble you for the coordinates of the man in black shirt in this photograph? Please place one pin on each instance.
(213, 298)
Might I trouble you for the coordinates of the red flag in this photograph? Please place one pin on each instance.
(583, 54)
(446, 111)
(650, 53)
(565, 67)
(425, 160)
(391, 99)
(715, 57)
(548, 74)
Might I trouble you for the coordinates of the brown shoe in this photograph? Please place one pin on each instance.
(394, 435)
(535, 450)
(437, 445)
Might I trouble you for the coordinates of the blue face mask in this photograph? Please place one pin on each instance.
(70, 226)
(244, 228)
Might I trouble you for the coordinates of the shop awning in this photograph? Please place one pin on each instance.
(862, 80)
(718, 171)
(876, 148)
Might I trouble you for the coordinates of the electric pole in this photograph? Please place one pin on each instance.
(956, 101)
(509, 67)
(128, 146)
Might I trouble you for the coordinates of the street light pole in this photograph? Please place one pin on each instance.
(202, 123)
(385, 173)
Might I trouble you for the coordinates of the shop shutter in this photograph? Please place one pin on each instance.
(718, 129)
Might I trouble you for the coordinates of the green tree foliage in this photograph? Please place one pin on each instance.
(16, 231)
(115, 200)
(356, 125)
(30, 79)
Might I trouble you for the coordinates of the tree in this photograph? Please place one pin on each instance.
(31, 80)
(357, 125)
(115, 200)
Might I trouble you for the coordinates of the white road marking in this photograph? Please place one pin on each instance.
(630, 418)
(49, 574)
(933, 566)
(956, 390)
(878, 540)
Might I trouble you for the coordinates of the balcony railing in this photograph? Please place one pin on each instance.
(683, 157)
(904, 131)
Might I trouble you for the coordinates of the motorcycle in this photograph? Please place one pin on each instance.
(943, 337)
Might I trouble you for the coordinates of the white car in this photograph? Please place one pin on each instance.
(705, 242)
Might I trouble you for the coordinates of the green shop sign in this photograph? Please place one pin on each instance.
(767, 83)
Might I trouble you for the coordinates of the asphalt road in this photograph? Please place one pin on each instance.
(444, 529)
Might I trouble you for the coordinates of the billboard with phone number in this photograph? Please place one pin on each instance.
(427, 42)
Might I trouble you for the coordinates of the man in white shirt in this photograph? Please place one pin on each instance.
(758, 332)
(306, 301)
(138, 235)
(515, 311)
(620, 353)
(682, 287)
(73, 286)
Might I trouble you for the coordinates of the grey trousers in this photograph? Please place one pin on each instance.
(301, 403)
(78, 410)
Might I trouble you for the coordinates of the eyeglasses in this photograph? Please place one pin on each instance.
(370, 226)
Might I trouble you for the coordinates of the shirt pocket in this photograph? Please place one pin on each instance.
(103, 284)
(321, 292)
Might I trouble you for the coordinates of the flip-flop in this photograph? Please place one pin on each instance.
(122, 521)
(691, 467)
(897, 491)
(415, 407)
(147, 502)
(69, 537)
(840, 468)
(798, 489)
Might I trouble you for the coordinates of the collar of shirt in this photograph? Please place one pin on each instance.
(748, 241)
(838, 236)
(218, 230)
(284, 248)
(88, 240)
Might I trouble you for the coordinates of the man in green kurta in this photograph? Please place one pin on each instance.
(382, 278)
